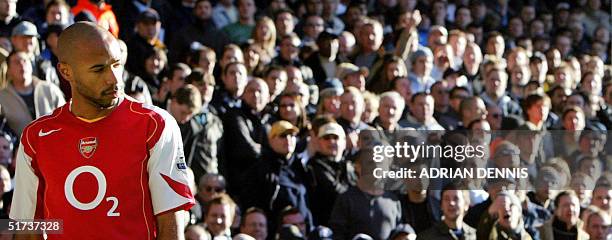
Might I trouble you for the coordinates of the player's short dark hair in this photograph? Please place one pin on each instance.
(250, 211)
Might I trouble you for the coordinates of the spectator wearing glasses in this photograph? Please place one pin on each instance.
(210, 186)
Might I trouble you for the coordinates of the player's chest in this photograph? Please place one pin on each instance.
(118, 152)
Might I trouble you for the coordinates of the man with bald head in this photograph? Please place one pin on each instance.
(67, 167)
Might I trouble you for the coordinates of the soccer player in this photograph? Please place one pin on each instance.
(109, 167)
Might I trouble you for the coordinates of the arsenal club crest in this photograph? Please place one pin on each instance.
(87, 146)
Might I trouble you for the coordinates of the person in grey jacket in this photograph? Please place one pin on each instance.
(26, 97)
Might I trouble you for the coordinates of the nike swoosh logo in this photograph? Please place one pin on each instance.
(42, 134)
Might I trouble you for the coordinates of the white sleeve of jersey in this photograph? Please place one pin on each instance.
(167, 170)
(26, 186)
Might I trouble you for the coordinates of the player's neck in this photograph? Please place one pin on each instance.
(84, 109)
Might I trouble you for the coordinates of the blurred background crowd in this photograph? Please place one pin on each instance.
(277, 100)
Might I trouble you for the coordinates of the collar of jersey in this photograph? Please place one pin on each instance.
(95, 119)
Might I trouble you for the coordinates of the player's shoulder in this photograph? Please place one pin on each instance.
(48, 119)
(153, 112)
(51, 120)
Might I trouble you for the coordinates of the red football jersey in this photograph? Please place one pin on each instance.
(106, 179)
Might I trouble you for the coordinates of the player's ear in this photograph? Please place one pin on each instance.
(65, 70)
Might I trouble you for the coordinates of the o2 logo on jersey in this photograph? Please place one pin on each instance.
(87, 146)
(101, 179)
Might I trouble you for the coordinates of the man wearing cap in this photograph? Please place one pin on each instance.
(23, 38)
(351, 75)
(148, 27)
(328, 171)
(420, 72)
(324, 61)
(277, 182)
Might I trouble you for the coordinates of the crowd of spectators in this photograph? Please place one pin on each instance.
(278, 100)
